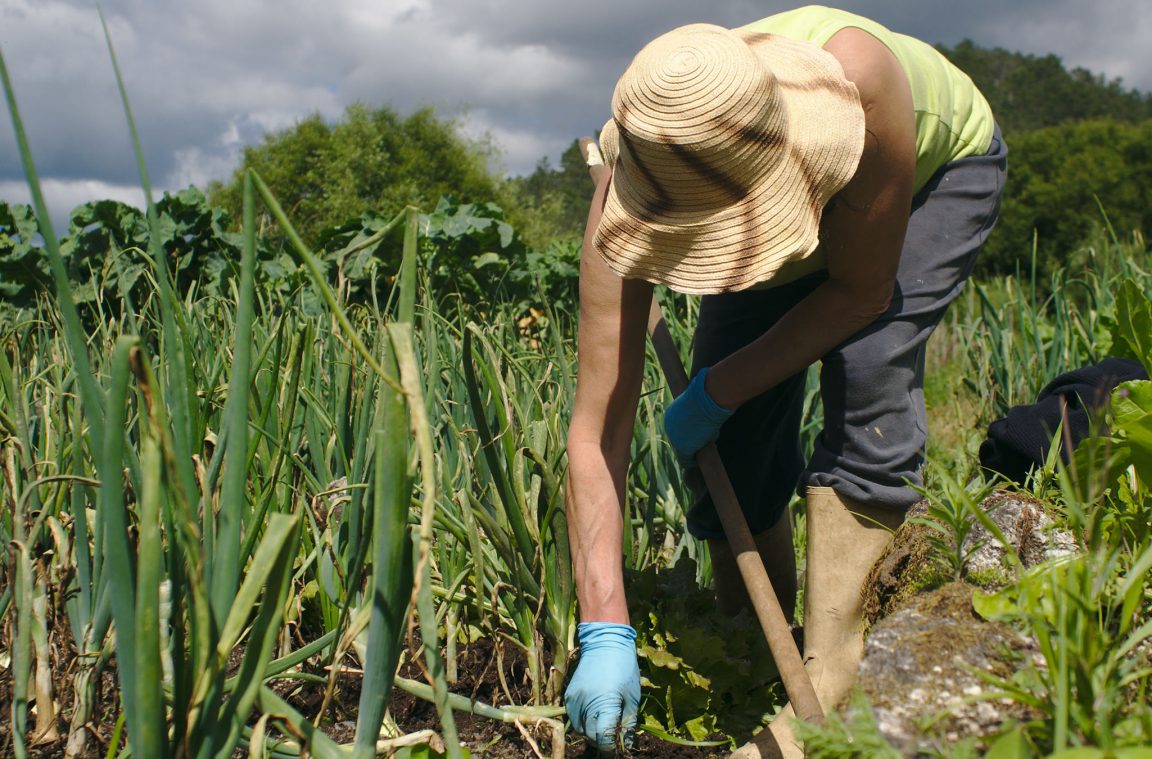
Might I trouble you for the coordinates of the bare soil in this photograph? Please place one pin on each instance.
(478, 678)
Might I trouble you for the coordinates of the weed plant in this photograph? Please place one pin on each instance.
(951, 516)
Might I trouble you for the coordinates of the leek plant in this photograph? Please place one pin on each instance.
(175, 504)
(1016, 333)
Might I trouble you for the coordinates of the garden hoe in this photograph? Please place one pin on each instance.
(780, 641)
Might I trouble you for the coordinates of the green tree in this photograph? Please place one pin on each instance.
(1029, 92)
(1077, 141)
(373, 159)
(1059, 178)
(552, 204)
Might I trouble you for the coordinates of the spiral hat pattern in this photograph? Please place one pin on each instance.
(725, 147)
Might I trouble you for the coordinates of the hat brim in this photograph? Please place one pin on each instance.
(777, 221)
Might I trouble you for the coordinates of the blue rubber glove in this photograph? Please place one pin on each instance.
(693, 420)
(603, 695)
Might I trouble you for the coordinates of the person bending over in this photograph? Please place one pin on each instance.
(824, 184)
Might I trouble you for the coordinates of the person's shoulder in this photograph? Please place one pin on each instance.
(886, 98)
(867, 63)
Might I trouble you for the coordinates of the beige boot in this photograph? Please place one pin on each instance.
(779, 556)
(845, 539)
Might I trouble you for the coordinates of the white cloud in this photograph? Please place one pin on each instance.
(1112, 43)
(1108, 38)
(522, 148)
(198, 166)
(61, 196)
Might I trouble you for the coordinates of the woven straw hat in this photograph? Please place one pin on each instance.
(725, 146)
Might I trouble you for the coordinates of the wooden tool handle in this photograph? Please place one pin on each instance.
(767, 606)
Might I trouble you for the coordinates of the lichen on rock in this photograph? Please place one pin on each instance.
(926, 644)
(1031, 533)
(909, 567)
(919, 672)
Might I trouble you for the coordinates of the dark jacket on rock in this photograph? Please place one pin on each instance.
(1022, 439)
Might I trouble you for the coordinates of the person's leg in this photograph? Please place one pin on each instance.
(871, 447)
(845, 538)
(776, 551)
(759, 446)
(872, 444)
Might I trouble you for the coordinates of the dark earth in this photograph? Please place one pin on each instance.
(477, 678)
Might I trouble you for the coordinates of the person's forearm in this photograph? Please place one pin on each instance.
(613, 315)
(595, 525)
(810, 330)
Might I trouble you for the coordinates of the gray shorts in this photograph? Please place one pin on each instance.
(871, 448)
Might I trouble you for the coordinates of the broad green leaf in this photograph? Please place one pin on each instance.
(1132, 330)
(698, 680)
(701, 727)
(661, 658)
(997, 606)
(1132, 424)
(488, 259)
(1011, 745)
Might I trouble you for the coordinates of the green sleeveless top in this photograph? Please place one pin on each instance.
(953, 119)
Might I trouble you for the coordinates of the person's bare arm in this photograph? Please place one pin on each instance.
(613, 319)
(862, 234)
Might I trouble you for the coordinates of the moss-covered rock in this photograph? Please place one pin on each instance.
(920, 672)
(911, 565)
(1030, 532)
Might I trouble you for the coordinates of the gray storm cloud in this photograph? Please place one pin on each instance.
(208, 77)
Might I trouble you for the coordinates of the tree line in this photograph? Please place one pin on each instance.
(1080, 157)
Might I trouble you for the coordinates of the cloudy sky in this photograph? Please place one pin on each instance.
(207, 77)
